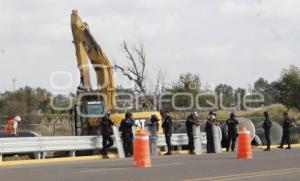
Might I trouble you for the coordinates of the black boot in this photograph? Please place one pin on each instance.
(192, 153)
(168, 153)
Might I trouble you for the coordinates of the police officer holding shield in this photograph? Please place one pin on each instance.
(209, 132)
(127, 135)
(168, 130)
(232, 133)
(287, 124)
(106, 132)
(267, 127)
(191, 120)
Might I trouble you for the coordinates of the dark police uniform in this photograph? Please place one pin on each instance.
(210, 147)
(168, 129)
(267, 127)
(127, 136)
(189, 123)
(106, 132)
(231, 132)
(287, 124)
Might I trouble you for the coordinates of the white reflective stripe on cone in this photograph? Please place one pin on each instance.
(142, 137)
(244, 132)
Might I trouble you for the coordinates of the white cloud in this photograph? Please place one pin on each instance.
(237, 8)
(149, 4)
(274, 9)
(248, 38)
(214, 53)
(279, 55)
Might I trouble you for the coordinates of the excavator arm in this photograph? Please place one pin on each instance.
(88, 50)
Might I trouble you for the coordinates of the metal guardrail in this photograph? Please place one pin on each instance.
(178, 140)
(42, 144)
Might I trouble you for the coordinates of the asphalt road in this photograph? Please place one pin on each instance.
(275, 165)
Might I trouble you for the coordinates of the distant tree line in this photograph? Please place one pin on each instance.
(285, 90)
(31, 103)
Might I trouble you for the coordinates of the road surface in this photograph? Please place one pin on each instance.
(275, 165)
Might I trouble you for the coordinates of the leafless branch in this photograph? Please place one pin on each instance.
(160, 84)
(135, 70)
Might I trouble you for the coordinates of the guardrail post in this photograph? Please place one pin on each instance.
(197, 140)
(217, 134)
(179, 147)
(119, 144)
(44, 155)
(72, 153)
(37, 155)
(1, 148)
(133, 128)
(96, 151)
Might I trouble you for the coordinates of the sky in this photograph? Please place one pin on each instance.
(223, 41)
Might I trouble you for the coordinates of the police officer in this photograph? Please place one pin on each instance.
(191, 120)
(231, 124)
(209, 133)
(267, 126)
(153, 129)
(154, 123)
(127, 135)
(106, 132)
(168, 129)
(287, 124)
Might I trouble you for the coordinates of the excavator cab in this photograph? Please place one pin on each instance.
(87, 113)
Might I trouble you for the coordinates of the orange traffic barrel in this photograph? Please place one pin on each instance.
(244, 144)
(141, 150)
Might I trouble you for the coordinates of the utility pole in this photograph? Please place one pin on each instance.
(14, 83)
(250, 90)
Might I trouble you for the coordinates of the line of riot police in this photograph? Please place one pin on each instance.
(231, 131)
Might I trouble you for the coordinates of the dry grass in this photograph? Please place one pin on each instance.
(275, 111)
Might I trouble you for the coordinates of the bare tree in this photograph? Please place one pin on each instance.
(161, 82)
(160, 85)
(135, 70)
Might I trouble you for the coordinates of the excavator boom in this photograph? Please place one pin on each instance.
(88, 51)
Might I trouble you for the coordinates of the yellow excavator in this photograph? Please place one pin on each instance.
(93, 103)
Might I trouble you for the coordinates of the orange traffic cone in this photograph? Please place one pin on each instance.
(141, 151)
(244, 145)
